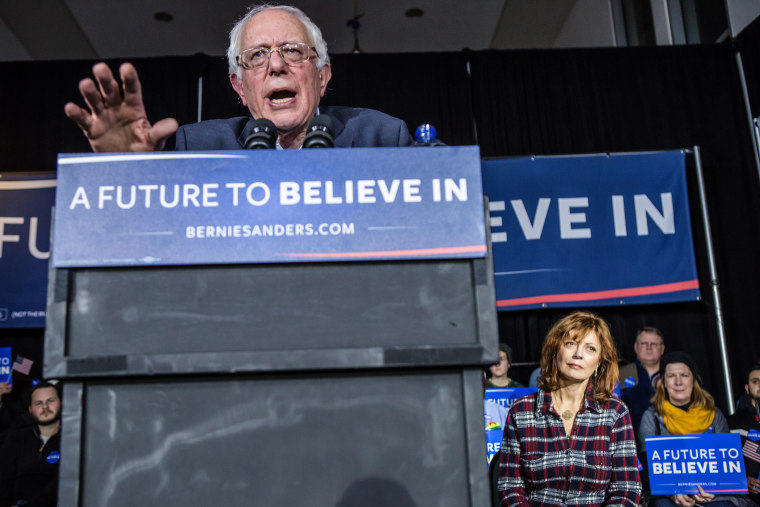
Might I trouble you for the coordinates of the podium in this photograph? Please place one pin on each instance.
(213, 351)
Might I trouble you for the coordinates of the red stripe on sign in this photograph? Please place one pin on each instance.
(603, 294)
(392, 253)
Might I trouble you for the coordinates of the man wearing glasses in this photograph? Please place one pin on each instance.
(636, 378)
(279, 67)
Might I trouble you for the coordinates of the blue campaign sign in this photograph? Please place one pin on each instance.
(505, 396)
(493, 443)
(268, 206)
(6, 365)
(680, 463)
(590, 230)
(497, 402)
(26, 207)
(496, 417)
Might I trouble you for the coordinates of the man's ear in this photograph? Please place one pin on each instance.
(746, 388)
(237, 85)
(325, 73)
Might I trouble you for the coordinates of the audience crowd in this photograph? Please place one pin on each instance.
(660, 394)
(573, 442)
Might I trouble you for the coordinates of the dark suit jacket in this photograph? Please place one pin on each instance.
(353, 127)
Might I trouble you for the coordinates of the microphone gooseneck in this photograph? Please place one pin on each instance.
(319, 134)
(263, 135)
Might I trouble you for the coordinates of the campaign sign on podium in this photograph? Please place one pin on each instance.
(274, 206)
(678, 464)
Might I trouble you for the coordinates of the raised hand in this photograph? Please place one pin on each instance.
(753, 483)
(115, 123)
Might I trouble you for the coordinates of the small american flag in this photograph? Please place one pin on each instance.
(22, 365)
(750, 450)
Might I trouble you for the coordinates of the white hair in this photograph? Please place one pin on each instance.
(236, 35)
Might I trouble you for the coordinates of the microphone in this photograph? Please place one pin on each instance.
(319, 134)
(263, 135)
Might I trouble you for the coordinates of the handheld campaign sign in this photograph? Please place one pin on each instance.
(678, 464)
(505, 396)
(498, 400)
(266, 206)
(6, 365)
(496, 416)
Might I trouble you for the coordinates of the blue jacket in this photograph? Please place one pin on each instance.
(353, 127)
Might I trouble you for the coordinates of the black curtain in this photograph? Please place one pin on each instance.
(219, 99)
(33, 128)
(747, 44)
(636, 99)
(417, 87)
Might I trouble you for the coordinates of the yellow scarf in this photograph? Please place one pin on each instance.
(694, 421)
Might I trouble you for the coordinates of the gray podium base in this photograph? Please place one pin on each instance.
(398, 439)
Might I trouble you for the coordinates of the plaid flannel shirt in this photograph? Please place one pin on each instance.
(539, 465)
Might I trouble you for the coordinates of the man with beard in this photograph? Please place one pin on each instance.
(746, 422)
(29, 456)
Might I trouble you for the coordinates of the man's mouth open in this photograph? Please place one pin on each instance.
(281, 97)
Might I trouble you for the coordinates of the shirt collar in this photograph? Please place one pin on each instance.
(544, 402)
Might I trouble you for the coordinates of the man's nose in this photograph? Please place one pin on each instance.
(276, 62)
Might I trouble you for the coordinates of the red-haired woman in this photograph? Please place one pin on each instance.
(571, 442)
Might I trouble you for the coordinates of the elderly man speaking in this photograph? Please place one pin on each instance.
(279, 67)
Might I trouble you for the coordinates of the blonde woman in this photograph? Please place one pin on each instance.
(680, 406)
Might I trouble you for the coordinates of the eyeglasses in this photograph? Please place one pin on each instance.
(291, 53)
(650, 345)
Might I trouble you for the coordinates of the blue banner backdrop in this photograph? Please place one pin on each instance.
(590, 230)
(26, 203)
